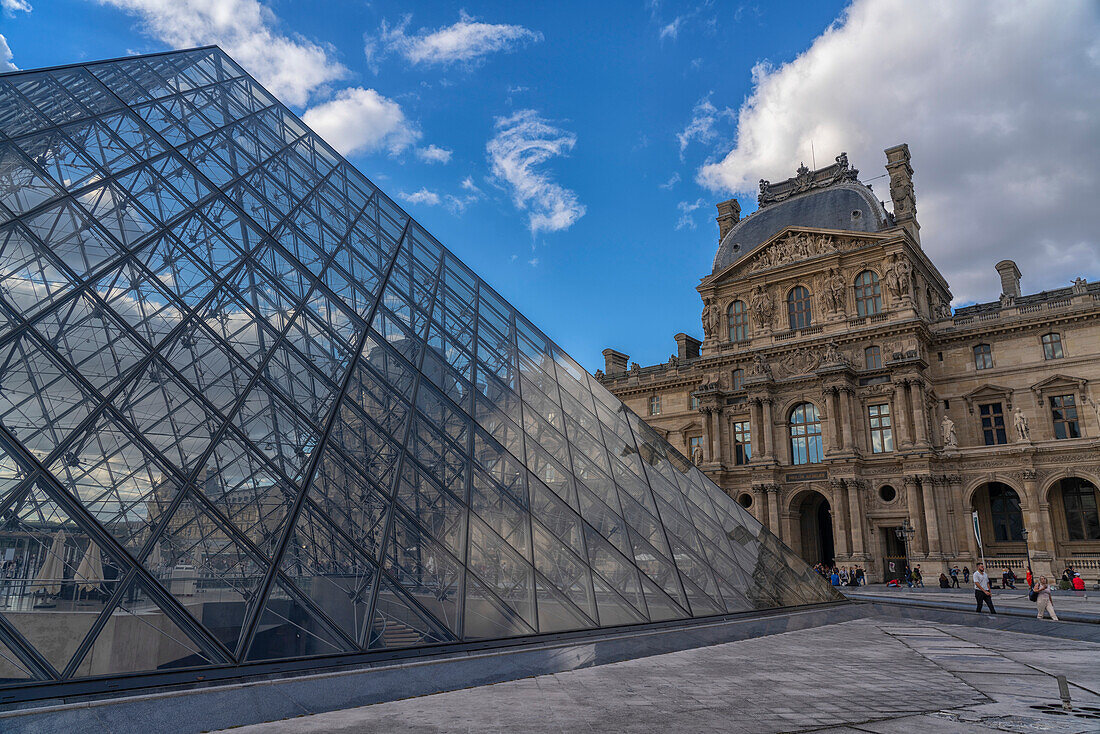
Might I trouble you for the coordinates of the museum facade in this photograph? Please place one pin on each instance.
(839, 398)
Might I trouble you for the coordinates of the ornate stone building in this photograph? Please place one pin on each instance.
(838, 397)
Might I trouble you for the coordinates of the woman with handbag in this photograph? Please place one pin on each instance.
(1044, 601)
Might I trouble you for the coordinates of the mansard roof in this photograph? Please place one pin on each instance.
(828, 198)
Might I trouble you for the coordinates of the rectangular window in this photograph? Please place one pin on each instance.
(993, 424)
(738, 382)
(983, 357)
(872, 358)
(882, 433)
(695, 448)
(1063, 409)
(655, 405)
(694, 403)
(742, 443)
(1052, 346)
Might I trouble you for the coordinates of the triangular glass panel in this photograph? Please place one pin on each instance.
(288, 628)
(330, 572)
(139, 636)
(425, 571)
(12, 668)
(62, 578)
(398, 622)
(487, 617)
(30, 278)
(556, 614)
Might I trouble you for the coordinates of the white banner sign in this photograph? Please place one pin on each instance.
(977, 530)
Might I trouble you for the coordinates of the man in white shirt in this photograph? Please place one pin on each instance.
(982, 592)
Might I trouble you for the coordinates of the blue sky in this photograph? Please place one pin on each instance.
(572, 153)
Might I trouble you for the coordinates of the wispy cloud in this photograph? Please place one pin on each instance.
(703, 125)
(422, 196)
(11, 6)
(671, 30)
(362, 120)
(523, 142)
(686, 220)
(672, 181)
(292, 68)
(466, 41)
(6, 56)
(434, 154)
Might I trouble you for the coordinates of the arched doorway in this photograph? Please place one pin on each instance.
(815, 528)
(1000, 516)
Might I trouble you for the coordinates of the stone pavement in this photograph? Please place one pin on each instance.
(870, 675)
(1080, 606)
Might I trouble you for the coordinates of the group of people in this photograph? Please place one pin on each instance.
(842, 576)
(1039, 590)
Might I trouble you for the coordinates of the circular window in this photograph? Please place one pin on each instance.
(887, 493)
(856, 214)
(737, 248)
(745, 500)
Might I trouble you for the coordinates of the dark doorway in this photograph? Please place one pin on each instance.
(894, 560)
(816, 529)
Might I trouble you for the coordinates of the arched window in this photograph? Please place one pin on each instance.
(798, 307)
(739, 321)
(1080, 504)
(868, 294)
(805, 435)
(738, 379)
(1004, 508)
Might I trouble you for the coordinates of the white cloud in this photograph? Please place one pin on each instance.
(291, 67)
(533, 262)
(434, 154)
(362, 120)
(671, 30)
(469, 185)
(10, 6)
(6, 56)
(464, 42)
(686, 220)
(703, 125)
(523, 142)
(672, 181)
(423, 196)
(1000, 106)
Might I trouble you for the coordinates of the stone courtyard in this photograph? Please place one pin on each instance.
(871, 675)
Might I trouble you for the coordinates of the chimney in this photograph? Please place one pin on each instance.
(687, 347)
(614, 363)
(729, 214)
(901, 189)
(1010, 278)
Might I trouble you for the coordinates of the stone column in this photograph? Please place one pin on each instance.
(773, 509)
(832, 425)
(932, 523)
(833, 405)
(769, 432)
(712, 429)
(912, 502)
(839, 515)
(855, 512)
(920, 423)
(720, 435)
(1048, 531)
(851, 419)
(901, 423)
(756, 427)
(964, 519)
(760, 504)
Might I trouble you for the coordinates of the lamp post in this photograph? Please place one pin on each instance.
(1027, 550)
(905, 534)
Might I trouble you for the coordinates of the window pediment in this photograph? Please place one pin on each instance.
(1058, 383)
(987, 394)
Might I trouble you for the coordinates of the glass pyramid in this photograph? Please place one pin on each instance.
(251, 411)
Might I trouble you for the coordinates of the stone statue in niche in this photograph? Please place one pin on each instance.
(1019, 422)
(759, 367)
(899, 278)
(950, 437)
(833, 355)
(901, 192)
(761, 304)
(834, 292)
(710, 318)
(697, 456)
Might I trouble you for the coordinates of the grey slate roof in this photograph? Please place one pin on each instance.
(829, 208)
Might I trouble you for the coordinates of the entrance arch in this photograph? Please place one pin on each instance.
(814, 523)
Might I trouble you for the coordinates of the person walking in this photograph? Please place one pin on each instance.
(1044, 600)
(982, 592)
(954, 577)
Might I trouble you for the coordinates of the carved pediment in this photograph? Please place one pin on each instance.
(1057, 382)
(988, 393)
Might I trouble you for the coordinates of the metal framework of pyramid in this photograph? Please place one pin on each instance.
(250, 411)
